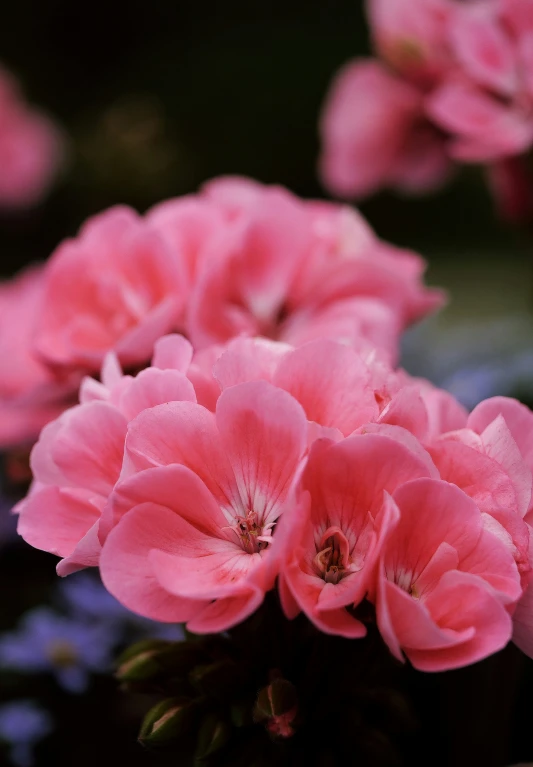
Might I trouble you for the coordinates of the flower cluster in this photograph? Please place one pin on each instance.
(211, 476)
(237, 259)
(454, 82)
(31, 148)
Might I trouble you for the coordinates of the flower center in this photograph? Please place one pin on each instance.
(61, 653)
(253, 536)
(332, 562)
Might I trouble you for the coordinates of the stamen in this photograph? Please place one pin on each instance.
(332, 563)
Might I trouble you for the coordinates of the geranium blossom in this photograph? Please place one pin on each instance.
(78, 458)
(195, 539)
(30, 394)
(454, 84)
(443, 580)
(334, 541)
(31, 148)
(319, 466)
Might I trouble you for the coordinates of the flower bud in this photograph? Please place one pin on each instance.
(277, 706)
(213, 735)
(169, 720)
(139, 662)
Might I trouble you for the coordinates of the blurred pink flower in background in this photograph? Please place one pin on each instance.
(455, 84)
(30, 394)
(239, 258)
(31, 148)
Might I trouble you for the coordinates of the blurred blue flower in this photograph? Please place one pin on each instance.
(85, 597)
(22, 725)
(473, 361)
(70, 649)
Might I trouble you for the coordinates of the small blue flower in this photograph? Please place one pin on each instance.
(22, 725)
(70, 649)
(86, 598)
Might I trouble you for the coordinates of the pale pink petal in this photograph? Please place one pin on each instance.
(55, 519)
(330, 381)
(484, 49)
(88, 449)
(182, 433)
(155, 387)
(126, 569)
(263, 431)
(518, 417)
(479, 609)
(366, 118)
(172, 352)
(86, 554)
(174, 487)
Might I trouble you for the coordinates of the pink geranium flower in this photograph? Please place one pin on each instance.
(334, 541)
(294, 270)
(339, 388)
(456, 84)
(375, 134)
(31, 148)
(519, 420)
(30, 395)
(485, 462)
(117, 287)
(78, 458)
(444, 581)
(195, 517)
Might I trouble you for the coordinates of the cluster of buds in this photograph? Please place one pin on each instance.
(221, 700)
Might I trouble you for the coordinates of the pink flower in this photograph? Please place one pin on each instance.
(375, 134)
(444, 581)
(294, 270)
(411, 36)
(519, 420)
(195, 517)
(30, 395)
(338, 388)
(117, 287)
(456, 85)
(78, 458)
(334, 540)
(489, 467)
(30, 148)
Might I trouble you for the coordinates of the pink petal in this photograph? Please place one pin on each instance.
(264, 435)
(89, 447)
(175, 487)
(56, 519)
(248, 359)
(155, 387)
(407, 409)
(225, 613)
(463, 604)
(330, 381)
(86, 553)
(126, 568)
(172, 352)
(183, 433)
(361, 144)
(484, 49)
(433, 512)
(518, 417)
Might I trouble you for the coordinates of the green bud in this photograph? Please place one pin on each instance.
(277, 707)
(241, 714)
(169, 720)
(213, 735)
(139, 662)
(219, 679)
(278, 698)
